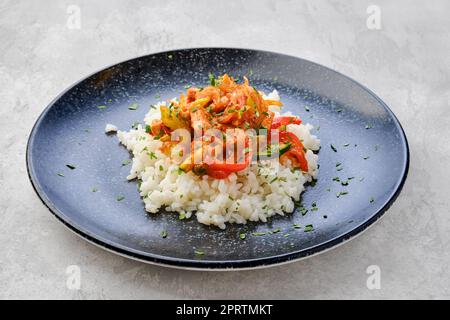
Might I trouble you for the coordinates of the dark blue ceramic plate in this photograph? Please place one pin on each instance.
(369, 143)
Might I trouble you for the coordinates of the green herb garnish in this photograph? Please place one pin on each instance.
(309, 228)
(126, 162)
(303, 211)
(199, 252)
(212, 79)
(179, 171)
(258, 234)
(242, 235)
(102, 107)
(133, 106)
(333, 148)
(71, 166)
(164, 234)
(120, 198)
(341, 193)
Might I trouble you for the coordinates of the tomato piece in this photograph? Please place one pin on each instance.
(284, 121)
(229, 167)
(297, 150)
(234, 166)
(292, 138)
(217, 174)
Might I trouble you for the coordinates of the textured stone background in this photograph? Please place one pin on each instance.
(407, 63)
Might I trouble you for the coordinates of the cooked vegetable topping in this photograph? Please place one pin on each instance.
(226, 104)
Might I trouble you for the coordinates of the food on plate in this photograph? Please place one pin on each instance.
(224, 153)
(109, 128)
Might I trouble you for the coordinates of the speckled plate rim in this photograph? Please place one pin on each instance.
(202, 264)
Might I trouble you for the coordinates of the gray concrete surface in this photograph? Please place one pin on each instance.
(406, 62)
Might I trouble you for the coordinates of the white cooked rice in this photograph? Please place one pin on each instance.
(109, 128)
(256, 193)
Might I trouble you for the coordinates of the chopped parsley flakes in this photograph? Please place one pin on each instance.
(199, 252)
(133, 106)
(126, 162)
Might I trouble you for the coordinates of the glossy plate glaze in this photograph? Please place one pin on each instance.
(369, 144)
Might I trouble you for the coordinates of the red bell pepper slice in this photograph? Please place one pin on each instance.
(279, 122)
(297, 150)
